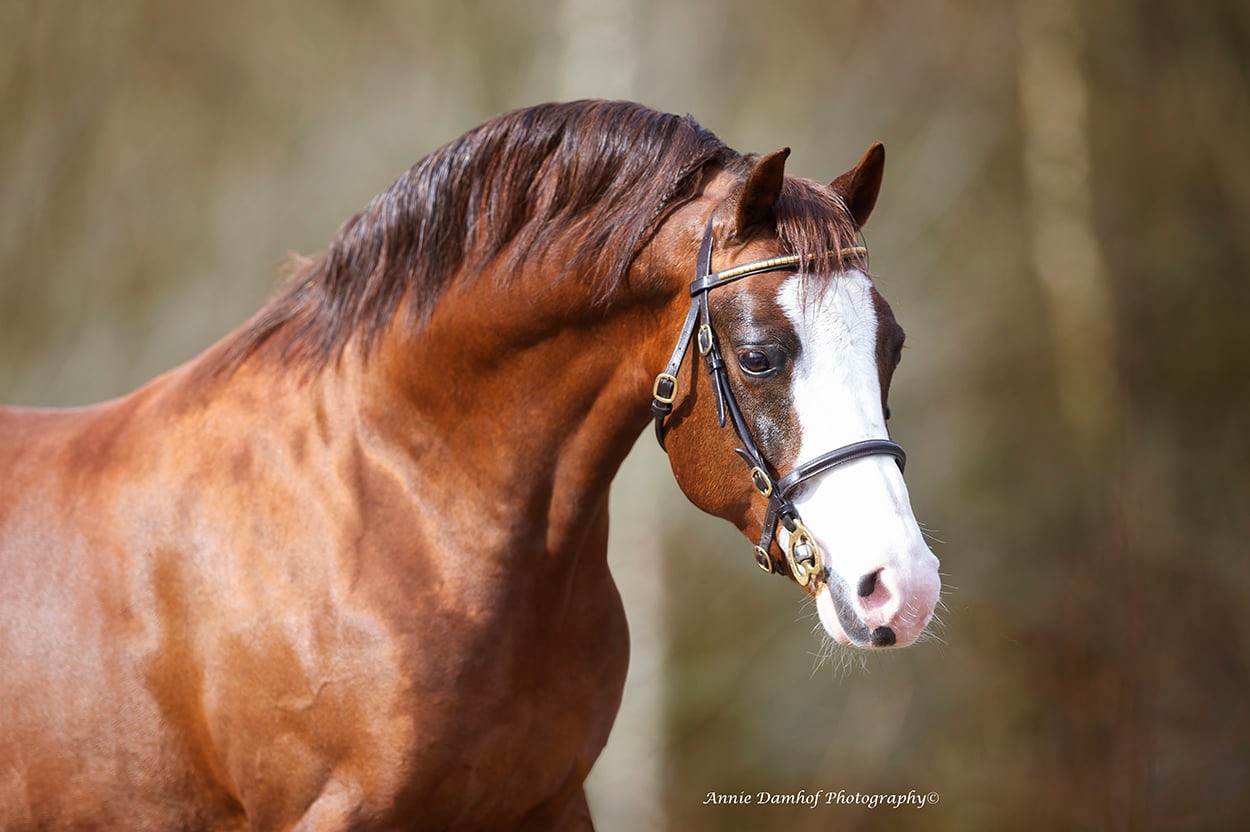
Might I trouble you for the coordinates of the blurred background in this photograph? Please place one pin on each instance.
(1064, 232)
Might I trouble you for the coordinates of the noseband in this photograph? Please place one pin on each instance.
(803, 560)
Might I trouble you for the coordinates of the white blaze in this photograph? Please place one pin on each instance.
(859, 512)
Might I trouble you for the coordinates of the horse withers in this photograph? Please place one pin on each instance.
(347, 569)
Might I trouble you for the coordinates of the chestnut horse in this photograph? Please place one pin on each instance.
(347, 569)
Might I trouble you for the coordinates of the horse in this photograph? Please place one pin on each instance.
(347, 568)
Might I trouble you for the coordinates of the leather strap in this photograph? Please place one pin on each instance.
(839, 456)
(664, 391)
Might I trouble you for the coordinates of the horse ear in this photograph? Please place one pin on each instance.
(758, 199)
(859, 186)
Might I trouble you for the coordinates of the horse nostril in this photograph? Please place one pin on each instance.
(882, 637)
(868, 585)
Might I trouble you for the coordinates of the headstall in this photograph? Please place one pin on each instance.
(802, 557)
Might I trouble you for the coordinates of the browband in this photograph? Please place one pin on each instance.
(772, 264)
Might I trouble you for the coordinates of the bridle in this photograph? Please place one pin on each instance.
(802, 557)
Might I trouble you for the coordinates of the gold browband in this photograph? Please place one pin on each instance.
(777, 262)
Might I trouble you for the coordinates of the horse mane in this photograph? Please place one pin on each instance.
(606, 171)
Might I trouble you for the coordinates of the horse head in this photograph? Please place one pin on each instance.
(800, 349)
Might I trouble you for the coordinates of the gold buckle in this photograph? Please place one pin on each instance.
(759, 476)
(655, 388)
(705, 339)
(802, 572)
(763, 560)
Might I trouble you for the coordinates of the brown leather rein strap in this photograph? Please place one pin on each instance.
(802, 557)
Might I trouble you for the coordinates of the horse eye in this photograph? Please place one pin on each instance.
(755, 362)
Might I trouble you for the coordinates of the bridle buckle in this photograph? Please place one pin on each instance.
(670, 381)
(803, 557)
(705, 339)
(762, 482)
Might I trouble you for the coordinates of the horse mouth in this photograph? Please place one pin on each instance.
(851, 630)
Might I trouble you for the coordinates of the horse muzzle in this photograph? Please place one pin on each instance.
(887, 607)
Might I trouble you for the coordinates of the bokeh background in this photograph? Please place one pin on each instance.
(1064, 232)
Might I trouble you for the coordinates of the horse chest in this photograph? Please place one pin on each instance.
(460, 719)
(532, 708)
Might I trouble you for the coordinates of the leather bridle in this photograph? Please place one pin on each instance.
(802, 557)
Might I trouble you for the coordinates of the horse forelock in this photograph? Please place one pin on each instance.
(814, 223)
(601, 172)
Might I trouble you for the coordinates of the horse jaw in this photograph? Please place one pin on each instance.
(882, 576)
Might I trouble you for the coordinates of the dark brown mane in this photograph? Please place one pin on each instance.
(605, 171)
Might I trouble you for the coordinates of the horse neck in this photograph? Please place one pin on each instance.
(520, 402)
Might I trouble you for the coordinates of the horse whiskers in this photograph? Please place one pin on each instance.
(936, 625)
(930, 534)
(823, 656)
(934, 631)
(841, 660)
